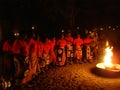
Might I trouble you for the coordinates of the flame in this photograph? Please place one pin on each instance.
(108, 57)
(107, 63)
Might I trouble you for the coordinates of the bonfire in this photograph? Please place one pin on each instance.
(107, 60)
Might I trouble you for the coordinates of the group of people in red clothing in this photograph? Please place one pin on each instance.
(28, 55)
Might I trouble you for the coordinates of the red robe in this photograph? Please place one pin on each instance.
(52, 51)
(69, 40)
(88, 41)
(46, 52)
(7, 47)
(39, 49)
(61, 43)
(20, 47)
(77, 42)
(78, 48)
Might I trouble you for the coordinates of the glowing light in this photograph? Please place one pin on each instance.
(109, 27)
(33, 27)
(107, 64)
(62, 30)
(108, 57)
(101, 29)
(16, 34)
(113, 28)
(78, 27)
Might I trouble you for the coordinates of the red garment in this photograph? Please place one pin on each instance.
(88, 40)
(78, 42)
(34, 42)
(16, 46)
(69, 40)
(20, 47)
(46, 48)
(39, 49)
(53, 42)
(52, 52)
(7, 47)
(61, 43)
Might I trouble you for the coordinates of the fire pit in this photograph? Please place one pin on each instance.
(114, 68)
(107, 63)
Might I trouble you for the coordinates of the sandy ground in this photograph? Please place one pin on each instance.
(74, 77)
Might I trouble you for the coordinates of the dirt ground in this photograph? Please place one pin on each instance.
(74, 77)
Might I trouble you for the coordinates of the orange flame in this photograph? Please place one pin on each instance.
(108, 56)
(107, 64)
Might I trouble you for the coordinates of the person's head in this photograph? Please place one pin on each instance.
(78, 35)
(32, 35)
(68, 34)
(23, 36)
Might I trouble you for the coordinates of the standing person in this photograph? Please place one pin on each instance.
(40, 52)
(39, 47)
(61, 56)
(8, 62)
(52, 51)
(94, 46)
(31, 60)
(20, 53)
(46, 52)
(69, 47)
(88, 54)
(20, 47)
(31, 39)
(78, 48)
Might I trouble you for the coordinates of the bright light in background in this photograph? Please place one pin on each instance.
(78, 27)
(16, 34)
(33, 27)
(90, 32)
(109, 27)
(62, 30)
(113, 28)
(101, 29)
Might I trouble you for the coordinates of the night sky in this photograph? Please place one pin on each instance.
(61, 12)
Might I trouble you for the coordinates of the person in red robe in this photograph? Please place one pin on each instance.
(78, 42)
(31, 60)
(8, 46)
(20, 47)
(8, 62)
(46, 52)
(61, 56)
(69, 47)
(52, 50)
(40, 53)
(87, 49)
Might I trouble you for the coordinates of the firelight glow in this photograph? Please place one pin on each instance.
(108, 57)
(107, 60)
